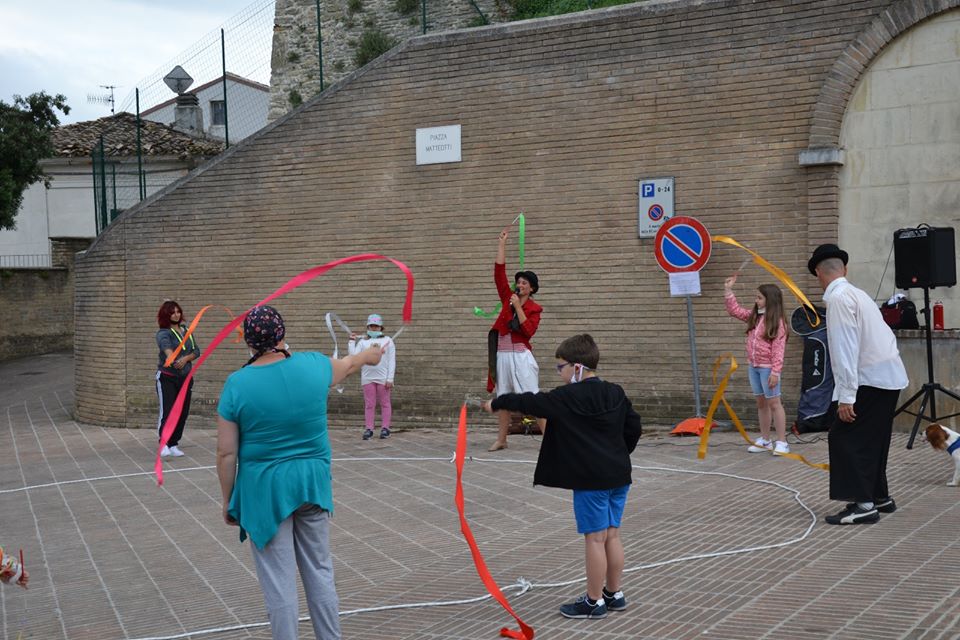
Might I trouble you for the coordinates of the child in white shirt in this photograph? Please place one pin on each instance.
(376, 380)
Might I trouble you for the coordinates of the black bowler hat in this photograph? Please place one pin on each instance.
(824, 252)
(530, 277)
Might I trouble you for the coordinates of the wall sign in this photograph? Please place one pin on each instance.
(438, 144)
(656, 204)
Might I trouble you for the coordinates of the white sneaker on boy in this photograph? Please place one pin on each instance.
(761, 445)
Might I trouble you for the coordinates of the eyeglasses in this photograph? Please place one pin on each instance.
(561, 366)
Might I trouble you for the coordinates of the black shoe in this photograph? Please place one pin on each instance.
(886, 505)
(583, 608)
(367, 434)
(615, 601)
(854, 515)
(384, 433)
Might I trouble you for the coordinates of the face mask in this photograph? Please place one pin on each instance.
(374, 334)
(577, 374)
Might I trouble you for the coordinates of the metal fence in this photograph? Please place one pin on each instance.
(232, 70)
(26, 261)
(133, 157)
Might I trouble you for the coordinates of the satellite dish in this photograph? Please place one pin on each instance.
(178, 80)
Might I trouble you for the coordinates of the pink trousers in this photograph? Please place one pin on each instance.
(375, 393)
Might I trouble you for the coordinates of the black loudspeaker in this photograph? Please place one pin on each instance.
(924, 257)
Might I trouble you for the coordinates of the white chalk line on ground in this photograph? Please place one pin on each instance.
(522, 585)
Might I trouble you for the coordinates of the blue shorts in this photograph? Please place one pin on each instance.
(758, 382)
(599, 510)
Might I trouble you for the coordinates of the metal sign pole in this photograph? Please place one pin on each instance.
(681, 247)
(693, 357)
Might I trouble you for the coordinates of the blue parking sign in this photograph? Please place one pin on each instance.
(647, 190)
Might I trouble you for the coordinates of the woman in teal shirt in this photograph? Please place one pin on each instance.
(273, 462)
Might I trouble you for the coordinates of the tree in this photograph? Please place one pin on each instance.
(25, 128)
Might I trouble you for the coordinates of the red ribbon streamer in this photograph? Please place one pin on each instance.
(291, 284)
(526, 632)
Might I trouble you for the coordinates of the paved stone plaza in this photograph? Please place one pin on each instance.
(112, 555)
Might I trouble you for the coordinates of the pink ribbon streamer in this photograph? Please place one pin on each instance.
(291, 284)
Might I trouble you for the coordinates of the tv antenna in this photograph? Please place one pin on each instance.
(103, 98)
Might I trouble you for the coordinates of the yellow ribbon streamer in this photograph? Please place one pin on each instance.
(780, 275)
(719, 397)
(193, 325)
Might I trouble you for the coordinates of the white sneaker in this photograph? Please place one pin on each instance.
(761, 445)
(781, 448)
(175, 451)
(165, 452)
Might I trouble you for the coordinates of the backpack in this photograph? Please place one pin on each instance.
(901, 315)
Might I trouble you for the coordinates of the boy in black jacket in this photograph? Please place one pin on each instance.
(590, 432)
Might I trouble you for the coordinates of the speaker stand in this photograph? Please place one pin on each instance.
(927, 393)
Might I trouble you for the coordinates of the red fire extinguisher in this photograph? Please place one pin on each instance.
(938, 315)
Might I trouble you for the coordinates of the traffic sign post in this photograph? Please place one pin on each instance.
(682, 246)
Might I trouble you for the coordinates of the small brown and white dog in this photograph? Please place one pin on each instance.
(948, 440)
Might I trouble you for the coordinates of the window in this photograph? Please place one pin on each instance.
(218, 112)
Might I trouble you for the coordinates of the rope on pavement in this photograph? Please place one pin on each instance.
(522, 585)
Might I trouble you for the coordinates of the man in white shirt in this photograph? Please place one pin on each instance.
(868, 376)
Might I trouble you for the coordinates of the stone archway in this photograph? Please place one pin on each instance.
(824, 156)
(901, 140)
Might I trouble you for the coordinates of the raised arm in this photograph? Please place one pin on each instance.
(345, 367)
(730, 300)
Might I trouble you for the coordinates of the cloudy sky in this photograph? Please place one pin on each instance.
(71, 47)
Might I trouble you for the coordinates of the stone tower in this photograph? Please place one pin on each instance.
(295, 76)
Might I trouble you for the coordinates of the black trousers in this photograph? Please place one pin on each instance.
(168, 387)
(859, 449)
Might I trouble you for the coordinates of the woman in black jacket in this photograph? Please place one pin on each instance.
(170, 379)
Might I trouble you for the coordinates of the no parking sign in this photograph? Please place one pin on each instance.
(682, 245)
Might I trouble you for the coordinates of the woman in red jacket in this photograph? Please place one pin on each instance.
(516, 369)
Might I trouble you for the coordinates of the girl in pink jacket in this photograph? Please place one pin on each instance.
(766, 342)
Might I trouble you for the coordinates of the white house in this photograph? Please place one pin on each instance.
(245, 109)
(67, 209)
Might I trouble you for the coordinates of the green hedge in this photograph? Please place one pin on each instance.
(523, 9)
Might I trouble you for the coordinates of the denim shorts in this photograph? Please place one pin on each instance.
(758, 382)
(599, 510)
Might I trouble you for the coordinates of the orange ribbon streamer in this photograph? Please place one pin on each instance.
(525, 632)
(780, 275)
(719, 397)
(193, 325)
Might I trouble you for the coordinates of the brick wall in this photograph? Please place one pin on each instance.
(101, 335)
(560, 118)
(38, 304)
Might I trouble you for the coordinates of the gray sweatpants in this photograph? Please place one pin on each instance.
(303, 540)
